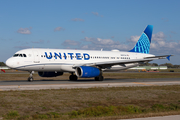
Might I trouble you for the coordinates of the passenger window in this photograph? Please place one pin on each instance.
(24, 55)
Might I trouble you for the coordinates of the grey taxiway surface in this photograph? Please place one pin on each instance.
(89, 83)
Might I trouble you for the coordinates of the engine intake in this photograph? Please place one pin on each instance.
(50, 74)
(87, 71)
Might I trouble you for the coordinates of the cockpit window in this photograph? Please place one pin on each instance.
(19, 55)
(15, 55)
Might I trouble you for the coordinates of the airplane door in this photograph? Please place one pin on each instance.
(36, 57)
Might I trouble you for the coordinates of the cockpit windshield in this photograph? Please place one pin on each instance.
(19, 55)
(15, 55)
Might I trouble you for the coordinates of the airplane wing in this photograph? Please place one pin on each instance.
(122, 62)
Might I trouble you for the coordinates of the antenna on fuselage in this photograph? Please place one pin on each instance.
(101, 49)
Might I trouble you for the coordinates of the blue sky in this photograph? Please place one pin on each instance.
(89, 24)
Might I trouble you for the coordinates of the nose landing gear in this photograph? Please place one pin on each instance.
(30, 79)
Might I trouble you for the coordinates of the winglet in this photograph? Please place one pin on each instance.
(168, 57)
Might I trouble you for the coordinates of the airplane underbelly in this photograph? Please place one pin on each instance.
(42, 67)
(121, 67)
(67, 68)
(51, 68)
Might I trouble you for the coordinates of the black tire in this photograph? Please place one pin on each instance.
(99, 78)
(96, 78)
(73, 77)
(30, 79)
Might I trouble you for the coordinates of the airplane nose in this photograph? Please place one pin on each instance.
(9, 62)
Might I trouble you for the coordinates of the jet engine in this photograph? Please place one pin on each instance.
(87, 71)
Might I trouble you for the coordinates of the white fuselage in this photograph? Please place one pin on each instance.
(64, 60)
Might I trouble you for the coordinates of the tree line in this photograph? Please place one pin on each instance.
(169, 65)
(2, 64)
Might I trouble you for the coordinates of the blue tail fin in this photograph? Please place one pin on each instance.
(143, 44)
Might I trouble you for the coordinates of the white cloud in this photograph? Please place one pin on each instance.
(159, 44)
(155, 37)
(134, 39)
(85, 47)
(153, 45)
(98, 43)
(58, 29)
(158, 36)
(38, 42)
(77, 19)
(97, 14)
(24, 30)
(71, 43)
(22, 47)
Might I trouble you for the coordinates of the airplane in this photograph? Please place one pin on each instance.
(82, 63)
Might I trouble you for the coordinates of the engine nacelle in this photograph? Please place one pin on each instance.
(87, 71)
(50, 74)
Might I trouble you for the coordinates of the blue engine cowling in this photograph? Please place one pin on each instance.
(87, 71)
(50, 74)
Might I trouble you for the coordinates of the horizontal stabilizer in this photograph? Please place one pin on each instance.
(160, 57)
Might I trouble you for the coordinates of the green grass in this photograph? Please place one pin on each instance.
(97, 111)
(121, 110)
(11, 114)
(91, 103)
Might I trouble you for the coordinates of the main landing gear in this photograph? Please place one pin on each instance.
(30, 79)
(100, 77)
(73, 77)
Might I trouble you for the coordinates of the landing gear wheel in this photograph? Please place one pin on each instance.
(30, 79)
(99, 78)
(96, 78)
(73, 77)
